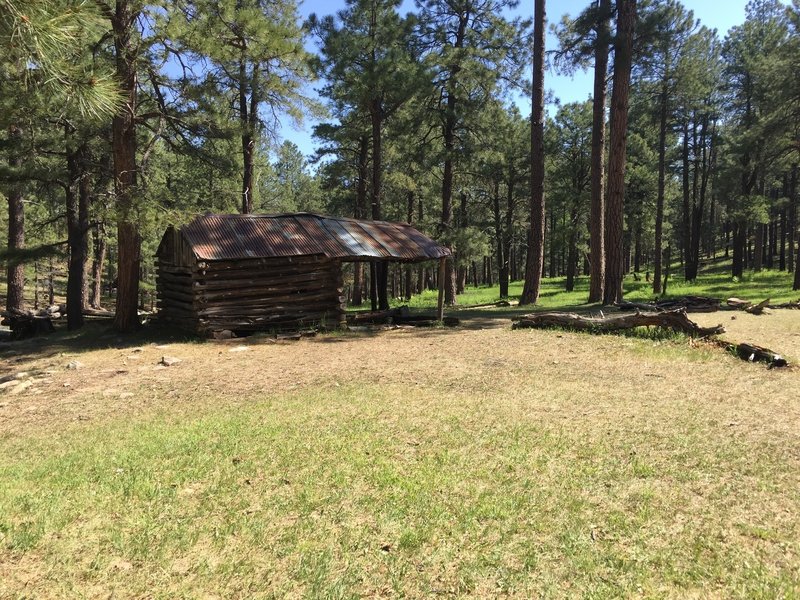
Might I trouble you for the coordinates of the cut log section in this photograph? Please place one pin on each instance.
(674, 319)
(753, 353)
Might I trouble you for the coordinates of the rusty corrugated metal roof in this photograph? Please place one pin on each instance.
(232, 237)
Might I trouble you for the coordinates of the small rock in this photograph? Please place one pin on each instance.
(126, 395)
(239, 349)
(74, 365)
(8, 384)
(225, 334)
(169, 361)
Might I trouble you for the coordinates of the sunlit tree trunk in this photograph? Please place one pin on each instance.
(535, 260)
(623, 48)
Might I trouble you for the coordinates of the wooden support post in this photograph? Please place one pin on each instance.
(440, 306)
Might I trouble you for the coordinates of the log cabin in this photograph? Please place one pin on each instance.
(249, 273)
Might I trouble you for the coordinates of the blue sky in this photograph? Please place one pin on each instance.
(718, 14)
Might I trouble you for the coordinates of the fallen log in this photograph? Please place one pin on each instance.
(689, 303)
(790, 305)
(753, 353)
(738, 303)
(758, 309)
(674, 319)
(25, 325)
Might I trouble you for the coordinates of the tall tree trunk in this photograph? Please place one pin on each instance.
(784, 220)
(97, 265)
(450, 123)
(84, 200)
(77, 229)
(623, 49)
(248, 159)
(597, 211)
(421, 271)
(15, 271)
(248, 144)
(409, 271)
(358, 213)
(758, 255)
(535, 260)
(376, 195)
(739, 243)
(702, 167)
(551, 263)
(792, 218)
(658, 252)
(124, 152)
(502, 257)
(373, 285)
(686, 214)
(508, 234)
(572, 254)
(248, 117)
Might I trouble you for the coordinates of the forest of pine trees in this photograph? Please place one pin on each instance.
(119, 118)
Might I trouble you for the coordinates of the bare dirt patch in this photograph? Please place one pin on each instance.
(133, 381)
(405, 463)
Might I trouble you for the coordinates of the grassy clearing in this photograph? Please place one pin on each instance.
(452, 463)
(714, 280)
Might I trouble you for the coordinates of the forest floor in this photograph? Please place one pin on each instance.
(461, 462)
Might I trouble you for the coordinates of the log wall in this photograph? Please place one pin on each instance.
(247, 295)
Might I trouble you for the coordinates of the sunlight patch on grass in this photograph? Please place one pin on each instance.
(714, 280)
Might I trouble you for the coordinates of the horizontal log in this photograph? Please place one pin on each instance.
(277, 273)
(256, 263)
(175, 295)
(277, 284)
(181, 288)
(175, 279)
(789, 305)
(172, 308)
(267, 279)
(753, 353)
(758, 309)
(675, 320)
(269, 309)
(286, 322)
(174, 269)
(689, 303)
(255, 295)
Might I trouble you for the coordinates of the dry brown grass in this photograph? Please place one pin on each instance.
(417, 463)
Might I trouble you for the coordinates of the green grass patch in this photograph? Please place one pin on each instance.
(358, 491)
(714, 280)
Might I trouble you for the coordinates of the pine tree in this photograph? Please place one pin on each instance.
(250, 52)
(535, 260)
(623, 50)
